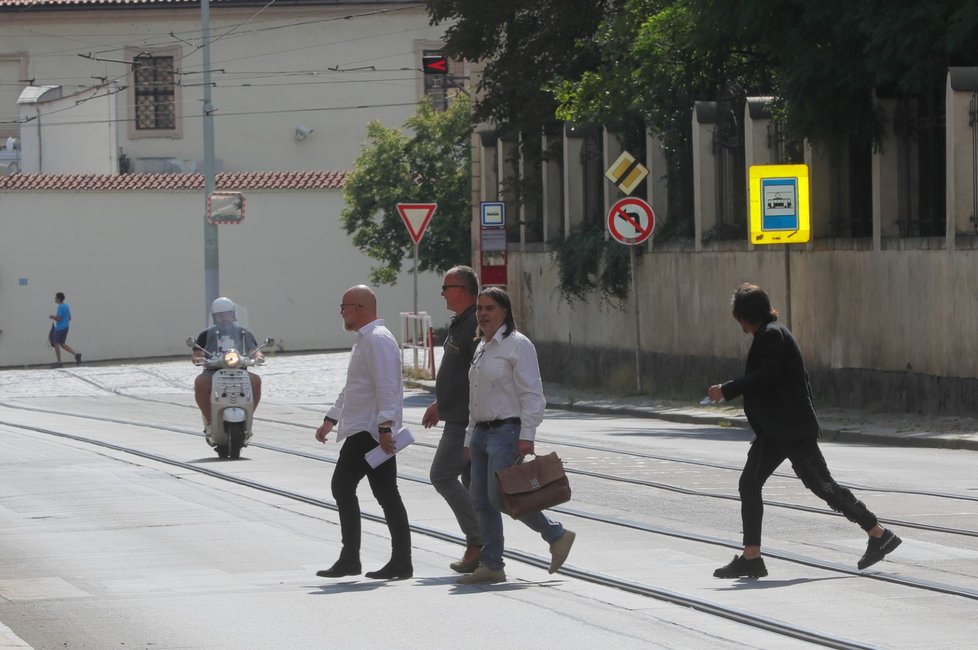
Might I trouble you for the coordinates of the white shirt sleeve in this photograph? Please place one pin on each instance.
(385, 366)
(529, 387)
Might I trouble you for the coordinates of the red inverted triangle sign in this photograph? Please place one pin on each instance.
(416, 217)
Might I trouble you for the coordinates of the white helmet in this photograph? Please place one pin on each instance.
(221, 305)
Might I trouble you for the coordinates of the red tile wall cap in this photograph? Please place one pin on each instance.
(101, 3)
(293, 180)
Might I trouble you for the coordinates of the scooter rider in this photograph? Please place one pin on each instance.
(224, 335)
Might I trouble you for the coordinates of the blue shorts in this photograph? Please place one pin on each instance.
(60, 336)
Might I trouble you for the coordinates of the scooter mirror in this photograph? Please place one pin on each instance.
(268, 342)
(191, 341)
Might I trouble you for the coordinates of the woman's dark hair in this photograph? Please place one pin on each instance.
(752, 304)
(501, 298)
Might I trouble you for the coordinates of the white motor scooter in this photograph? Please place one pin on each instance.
(232, 403)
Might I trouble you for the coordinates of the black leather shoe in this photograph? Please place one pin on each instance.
(741, 567)
(878, 548)
(393, 570)
(339, 569)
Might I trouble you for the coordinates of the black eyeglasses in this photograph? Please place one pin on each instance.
(452, 286)
(344, 305)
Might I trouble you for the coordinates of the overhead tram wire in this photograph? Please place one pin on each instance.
(166, 37)
(221, 114)
(232, 32)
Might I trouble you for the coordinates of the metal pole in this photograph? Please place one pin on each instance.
(417, 321)
(638, 330)
(415, 278)
(787, 283)
(212, 277)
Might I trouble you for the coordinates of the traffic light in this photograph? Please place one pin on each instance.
(434, 62)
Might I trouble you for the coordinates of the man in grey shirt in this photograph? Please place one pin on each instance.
(460, 289)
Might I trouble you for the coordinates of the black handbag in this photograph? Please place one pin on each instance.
(533, 486)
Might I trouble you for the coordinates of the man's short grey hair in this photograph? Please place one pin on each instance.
(467, 277)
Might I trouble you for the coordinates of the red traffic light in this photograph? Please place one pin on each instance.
(434, 63)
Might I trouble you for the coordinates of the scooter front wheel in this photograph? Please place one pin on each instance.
(236, 439)
(222, 451)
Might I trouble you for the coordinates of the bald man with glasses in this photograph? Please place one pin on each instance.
(366, 414)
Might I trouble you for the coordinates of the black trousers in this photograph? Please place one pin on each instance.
(806, 458)
(350, 470)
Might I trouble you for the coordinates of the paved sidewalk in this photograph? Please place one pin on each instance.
(840, 425)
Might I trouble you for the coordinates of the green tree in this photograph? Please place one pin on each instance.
(828, 61)
(523, 45)
(655, 62)
(429, 161)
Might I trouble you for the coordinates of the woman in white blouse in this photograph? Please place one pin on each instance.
(506, 405)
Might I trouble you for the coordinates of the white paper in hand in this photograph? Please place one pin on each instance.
(376, 456)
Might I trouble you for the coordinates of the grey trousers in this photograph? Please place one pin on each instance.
(447, 468)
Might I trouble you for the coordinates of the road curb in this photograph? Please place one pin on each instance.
(843, 435)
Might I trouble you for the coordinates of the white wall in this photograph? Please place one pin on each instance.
(131, 266)
(70, 135)
(900, 311)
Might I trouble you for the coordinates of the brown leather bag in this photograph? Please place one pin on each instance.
(534, 486)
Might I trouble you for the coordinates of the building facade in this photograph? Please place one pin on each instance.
(102, 147)
(883, 298)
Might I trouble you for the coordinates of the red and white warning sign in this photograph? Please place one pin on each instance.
(416, 217)
(631, 221)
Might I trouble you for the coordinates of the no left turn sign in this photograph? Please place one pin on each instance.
(631, 221)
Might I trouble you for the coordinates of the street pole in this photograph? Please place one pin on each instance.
(415, 279)
(212, 277)
(787, 285)
(638, 329)
(416, 319)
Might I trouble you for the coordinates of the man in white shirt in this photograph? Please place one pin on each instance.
(366, 413)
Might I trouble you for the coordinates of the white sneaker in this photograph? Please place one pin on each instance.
(483, 575)
(560, 549)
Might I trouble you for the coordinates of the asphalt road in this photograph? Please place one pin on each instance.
(119, 528)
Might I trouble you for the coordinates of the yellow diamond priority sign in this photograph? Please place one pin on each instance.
(626, 173)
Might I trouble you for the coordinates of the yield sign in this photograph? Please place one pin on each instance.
(416, 217)
(631, 221)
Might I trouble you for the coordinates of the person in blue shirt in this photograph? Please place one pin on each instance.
(59, 338)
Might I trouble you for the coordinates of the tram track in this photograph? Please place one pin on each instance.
(658, 485)
(620, 452)
(615, 521)
(705, 606)
(745, 617)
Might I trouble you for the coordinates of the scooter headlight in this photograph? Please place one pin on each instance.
(232, 359)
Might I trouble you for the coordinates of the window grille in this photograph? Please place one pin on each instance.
(155, 85)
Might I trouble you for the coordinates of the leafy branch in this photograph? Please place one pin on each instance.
(586, 261)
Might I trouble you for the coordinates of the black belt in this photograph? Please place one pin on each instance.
(492, 424)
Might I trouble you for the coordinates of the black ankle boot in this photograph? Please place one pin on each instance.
(396, 569)
(342, 567)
